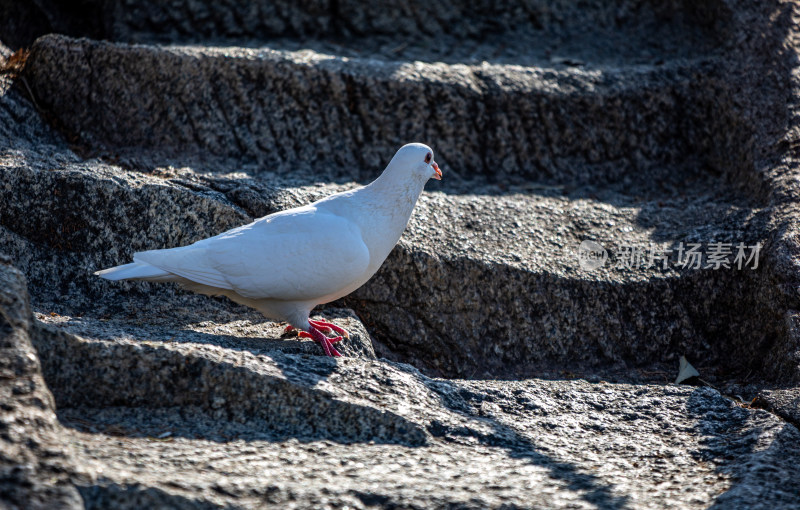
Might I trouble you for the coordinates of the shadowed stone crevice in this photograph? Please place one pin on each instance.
(782, 401)
(137, 496)
(484, 342)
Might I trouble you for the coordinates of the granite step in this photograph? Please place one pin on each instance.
(285, 111)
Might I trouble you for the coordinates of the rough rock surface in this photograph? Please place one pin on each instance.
(648, 124)
(33, 455)
(192, 424)
(607, 132)
(785, 402)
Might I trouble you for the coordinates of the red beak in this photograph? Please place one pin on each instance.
(438, 175)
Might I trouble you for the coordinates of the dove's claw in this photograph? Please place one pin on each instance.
(323, 325)
(288, 329)
(317, 333)
(326, 343)
(334, 353)
(305, 334)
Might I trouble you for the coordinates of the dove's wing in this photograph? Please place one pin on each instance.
(297, 255)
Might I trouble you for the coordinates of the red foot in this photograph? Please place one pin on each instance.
(329, 326)
(316, 333)
(305, 334)
(324, 341)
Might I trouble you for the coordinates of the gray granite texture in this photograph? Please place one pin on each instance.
(34, 458)
(489, 365)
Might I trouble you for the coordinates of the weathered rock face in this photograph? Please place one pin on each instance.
(557, 126)
(192, 424)
(33, 454)
(652, 152)
(645, 125)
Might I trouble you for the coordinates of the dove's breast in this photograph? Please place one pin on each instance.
(380, 212)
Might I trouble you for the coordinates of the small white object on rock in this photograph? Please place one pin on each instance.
(686, 371)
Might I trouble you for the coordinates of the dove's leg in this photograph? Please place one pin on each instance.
(323, 325)
(315, 333)
(305, 334)
(326, 343)
(323, 329)
(333, 340)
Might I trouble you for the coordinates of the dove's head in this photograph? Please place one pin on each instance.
(417, 158)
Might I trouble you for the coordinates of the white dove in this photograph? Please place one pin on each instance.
(285, 264)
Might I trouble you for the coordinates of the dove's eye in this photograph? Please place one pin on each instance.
(428, 157)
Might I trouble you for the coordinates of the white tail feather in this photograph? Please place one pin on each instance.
(136, 271)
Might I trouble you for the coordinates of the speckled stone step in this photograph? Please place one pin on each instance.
(575, 31)
(481, 284)
(285, 110)
(261, 391)
(198, 425)
(184, 422)
(670, 150)
(491, 286)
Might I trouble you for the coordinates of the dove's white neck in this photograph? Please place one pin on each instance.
(387, 204)
(381, 210)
